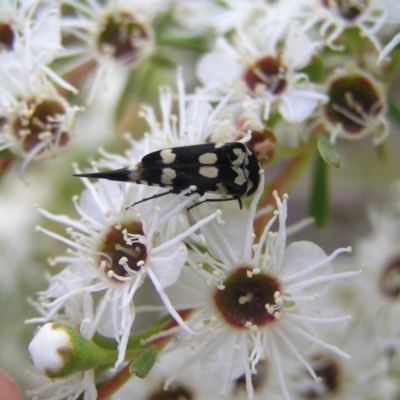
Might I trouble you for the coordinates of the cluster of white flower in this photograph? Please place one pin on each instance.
(209, 289)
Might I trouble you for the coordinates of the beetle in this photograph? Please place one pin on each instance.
(229, 169)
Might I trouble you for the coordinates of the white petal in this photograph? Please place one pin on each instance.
(226, 242)
(219, 67)
(301, 255)
(46, 40)
(168, 264)
(296, 108)
(216, 362)
(298, 49)
(109, 197)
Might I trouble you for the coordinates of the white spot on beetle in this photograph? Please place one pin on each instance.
(168, 175)
(208, 172)
(208, 158)
(221, 189)
(167, 156)
(135, 175)
(219, 145)
(240, 154)
(241, 177)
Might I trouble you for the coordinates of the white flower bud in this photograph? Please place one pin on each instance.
(59, 350)
(44, 349)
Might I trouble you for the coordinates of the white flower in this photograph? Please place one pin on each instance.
(344, 379)
(111, 252)
(110, 36)
(356, 106)
(255, 302)
(219, 18)
(37, 120)
(30, 39)
(376, 296)
(215, 17)
(335, 16)
(261, 73)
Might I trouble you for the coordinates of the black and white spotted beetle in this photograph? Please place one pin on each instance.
(229, 169)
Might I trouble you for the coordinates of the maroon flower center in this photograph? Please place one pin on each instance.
(116, 254)
(267, 74)
(258, 380)
(123, 37)
(329, 371)
(7, 37)
(43, 121)
(263, 144)
(347, 9)
(175, 392)
(390, 279)
(354, 101)
(248, 299)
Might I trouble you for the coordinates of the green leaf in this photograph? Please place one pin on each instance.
(329, 152)
(144, 363)
(318, 207)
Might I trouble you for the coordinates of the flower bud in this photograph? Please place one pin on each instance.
(58, 350)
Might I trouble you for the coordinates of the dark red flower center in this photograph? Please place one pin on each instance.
(354, 101)
(248, 299)
(263, 144)
(347, 9)
(118, 256)
(123, 37)
(329, 372)
(390, 279)
(42, 121)
(258, 380)
(7, 37)
(176, 391)
(267, 74)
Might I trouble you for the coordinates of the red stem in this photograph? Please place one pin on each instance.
(281, 184)
(115, 383)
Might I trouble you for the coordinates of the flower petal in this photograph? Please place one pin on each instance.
(168, 264)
